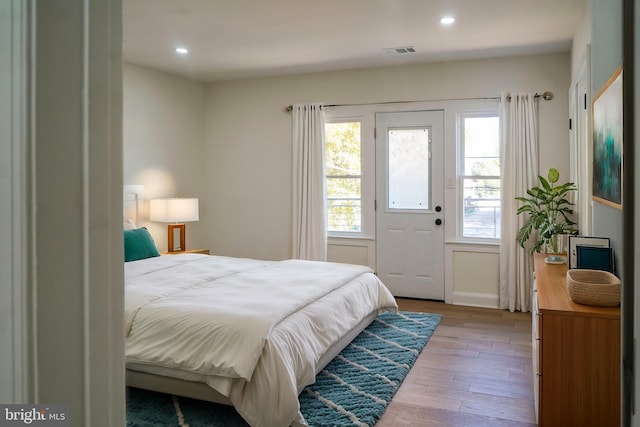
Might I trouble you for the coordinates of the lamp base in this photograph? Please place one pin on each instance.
(171, 229)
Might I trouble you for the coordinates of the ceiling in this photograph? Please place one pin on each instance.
(231, 39)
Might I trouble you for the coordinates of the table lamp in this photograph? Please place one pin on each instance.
(175, 211)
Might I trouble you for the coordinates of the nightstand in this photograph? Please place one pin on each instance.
(188, 251)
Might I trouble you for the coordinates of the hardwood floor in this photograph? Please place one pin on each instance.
(475, 371)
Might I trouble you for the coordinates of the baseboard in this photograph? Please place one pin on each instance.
(474, 299)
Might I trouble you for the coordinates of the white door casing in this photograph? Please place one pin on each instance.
(584, 145)
(409, 224)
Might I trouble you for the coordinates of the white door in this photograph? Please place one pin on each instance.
(409, 203)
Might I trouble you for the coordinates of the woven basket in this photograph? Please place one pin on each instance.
(593, 287)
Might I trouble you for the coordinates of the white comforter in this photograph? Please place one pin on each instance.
(260, 325)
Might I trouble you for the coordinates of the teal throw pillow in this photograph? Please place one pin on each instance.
(138, 244)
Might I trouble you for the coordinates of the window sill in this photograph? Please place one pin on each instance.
(473, 243)
(348, 237)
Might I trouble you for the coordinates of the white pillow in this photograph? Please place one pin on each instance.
(129, 224)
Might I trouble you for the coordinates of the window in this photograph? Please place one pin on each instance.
(480, 176)
(343, 164)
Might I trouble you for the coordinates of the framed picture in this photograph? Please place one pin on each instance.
(607, 142)
(575, 241)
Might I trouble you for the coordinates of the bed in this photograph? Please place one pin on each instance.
(244, 332)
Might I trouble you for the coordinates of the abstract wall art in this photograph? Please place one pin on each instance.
(607, 142)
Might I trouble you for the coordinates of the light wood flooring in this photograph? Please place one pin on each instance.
(475, 371)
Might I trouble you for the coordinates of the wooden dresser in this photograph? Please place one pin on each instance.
(576, 355)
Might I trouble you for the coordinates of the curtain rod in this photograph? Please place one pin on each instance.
(546, 95)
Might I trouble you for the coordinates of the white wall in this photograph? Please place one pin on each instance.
(163, 140)
(581, 38)
(475, 276)
(248, 137)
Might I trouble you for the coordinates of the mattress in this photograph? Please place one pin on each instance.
(254, 331)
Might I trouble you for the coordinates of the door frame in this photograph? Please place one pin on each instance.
(45, 268)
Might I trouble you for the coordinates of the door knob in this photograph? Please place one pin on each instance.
(438, 221)
(438, 208)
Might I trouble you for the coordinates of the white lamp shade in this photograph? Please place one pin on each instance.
(174, 210)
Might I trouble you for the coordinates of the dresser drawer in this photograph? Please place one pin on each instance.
(536, 353)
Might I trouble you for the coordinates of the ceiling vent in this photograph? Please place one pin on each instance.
(400, 50)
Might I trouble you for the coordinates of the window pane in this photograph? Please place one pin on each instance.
(475, 166)
(342, 149)
(481, 146)
(409, 168)
(344, 204)
(343, 188)
(481, 217)
(343, 169)
(481, 177)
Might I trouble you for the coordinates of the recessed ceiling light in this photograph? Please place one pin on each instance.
(182, 50)
(447, 20)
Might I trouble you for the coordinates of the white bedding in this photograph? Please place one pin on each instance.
(253, 330)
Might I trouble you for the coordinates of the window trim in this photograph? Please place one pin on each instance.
(460, 163)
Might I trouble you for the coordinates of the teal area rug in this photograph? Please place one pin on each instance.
(354, 389)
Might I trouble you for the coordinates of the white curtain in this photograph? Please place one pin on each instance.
(519, 159)
(309, 198)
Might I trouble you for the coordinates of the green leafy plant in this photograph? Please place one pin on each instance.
(548, 212)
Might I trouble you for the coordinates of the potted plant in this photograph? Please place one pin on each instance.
(548, 214)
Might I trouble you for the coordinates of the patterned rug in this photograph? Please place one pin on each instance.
(354, 389)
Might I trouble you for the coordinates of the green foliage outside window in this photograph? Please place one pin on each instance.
(344, 176)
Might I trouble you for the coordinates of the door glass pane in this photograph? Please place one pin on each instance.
(409, 168)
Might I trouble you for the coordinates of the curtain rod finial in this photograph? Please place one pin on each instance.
(547, 96)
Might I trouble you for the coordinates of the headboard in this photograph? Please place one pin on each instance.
(133, 195)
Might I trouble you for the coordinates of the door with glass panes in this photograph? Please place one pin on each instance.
(409, 203)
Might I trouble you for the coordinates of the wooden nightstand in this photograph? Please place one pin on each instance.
(188, 251)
